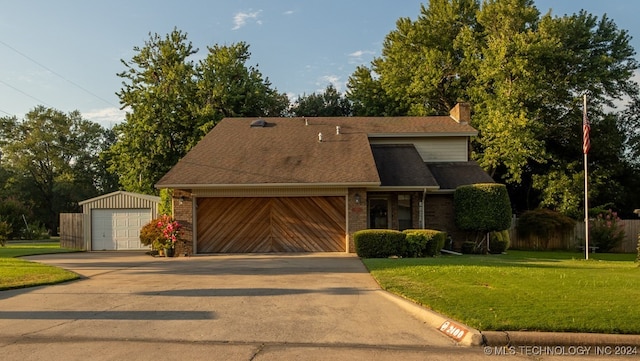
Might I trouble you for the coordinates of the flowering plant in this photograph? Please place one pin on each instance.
(607, 230)
(170, 230)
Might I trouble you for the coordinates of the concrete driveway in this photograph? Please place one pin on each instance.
(221, 307)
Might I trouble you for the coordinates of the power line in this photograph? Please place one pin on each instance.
(30, 96)
(55, 73)
(2, 111)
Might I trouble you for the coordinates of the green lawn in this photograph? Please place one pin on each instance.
(541, 291)
(19, 273)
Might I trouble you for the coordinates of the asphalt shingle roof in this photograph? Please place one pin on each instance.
(401, 166)
(287, 152)
(451, 175)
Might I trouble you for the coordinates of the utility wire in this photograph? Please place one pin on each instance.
(30, 96)
(2, 111)
(54, 73)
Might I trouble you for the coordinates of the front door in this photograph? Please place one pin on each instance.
(379, 212)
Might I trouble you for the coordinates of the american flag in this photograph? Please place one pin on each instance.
(586, 129)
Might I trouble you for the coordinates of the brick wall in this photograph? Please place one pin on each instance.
(440, 215)
(183, 213)
(356, 215)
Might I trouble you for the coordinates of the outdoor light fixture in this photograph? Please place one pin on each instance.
(357, 198)
(181, 200)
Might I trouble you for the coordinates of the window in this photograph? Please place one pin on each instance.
(405, 221)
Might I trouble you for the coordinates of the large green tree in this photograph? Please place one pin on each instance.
(228, 87)
(525, 74)
(172, 103)
(54, 161)
(158, 93)
(330, 103)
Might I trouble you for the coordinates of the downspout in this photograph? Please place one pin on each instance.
(422, 209)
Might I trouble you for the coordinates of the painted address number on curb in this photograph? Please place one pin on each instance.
(453, 330)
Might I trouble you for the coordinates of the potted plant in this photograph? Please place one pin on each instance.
(170, 229)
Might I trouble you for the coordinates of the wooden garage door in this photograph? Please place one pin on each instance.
(289, 224)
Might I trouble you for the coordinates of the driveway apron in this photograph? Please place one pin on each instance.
(221, 307)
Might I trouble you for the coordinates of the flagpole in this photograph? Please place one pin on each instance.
(585, 149)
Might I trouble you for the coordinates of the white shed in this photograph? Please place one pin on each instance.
(113, 221)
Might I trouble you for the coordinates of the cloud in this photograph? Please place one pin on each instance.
(240, 19)
(106, 117)
(358, 55)
(330, 79)
(288, 12)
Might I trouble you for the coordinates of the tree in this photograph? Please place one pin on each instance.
(525, 74)
(172, 103)
(54, 160)
(227, 87)
(419, 72)
(328, 104)
(159, 89)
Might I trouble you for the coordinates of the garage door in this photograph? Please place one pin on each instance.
(118, 229)
(288, 224)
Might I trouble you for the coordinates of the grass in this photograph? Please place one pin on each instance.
(536, 291)
(20, 273)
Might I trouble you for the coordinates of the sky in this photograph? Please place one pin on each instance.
(65, 54)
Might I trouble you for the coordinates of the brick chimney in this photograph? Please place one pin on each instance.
(461, 113)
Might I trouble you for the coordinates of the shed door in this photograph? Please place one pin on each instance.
(286, 224)
(118, 229)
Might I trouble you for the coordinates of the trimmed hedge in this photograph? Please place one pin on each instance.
(483, 207)
(499, 241)
(383, 243)
(378, 243)
(423, 242)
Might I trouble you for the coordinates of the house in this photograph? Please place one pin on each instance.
(307, 184)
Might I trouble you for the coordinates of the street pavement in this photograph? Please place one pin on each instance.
(320, 306)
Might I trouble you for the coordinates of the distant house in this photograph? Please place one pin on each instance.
(307, 184)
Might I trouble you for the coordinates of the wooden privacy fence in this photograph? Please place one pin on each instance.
(575, 238)
(71, 230)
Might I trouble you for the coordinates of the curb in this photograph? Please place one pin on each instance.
(525, 338)
(473, 337)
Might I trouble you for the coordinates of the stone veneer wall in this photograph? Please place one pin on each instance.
(183, 213)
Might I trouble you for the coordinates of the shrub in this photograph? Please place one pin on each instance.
(151, 235)
(165, 206)
(35, 231)
(544, 224)
(469, 247)
(482, 207)
(638, 258)
(499, 241)
(378, 243)
(5, 231)
(606, 231)
(12, 211)
(423, 242)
